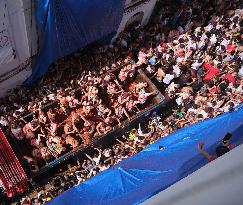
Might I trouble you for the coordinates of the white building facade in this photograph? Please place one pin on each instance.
(19, 41)
(136, 11)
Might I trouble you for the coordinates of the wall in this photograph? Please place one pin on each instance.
(146, 6)
(31, 27)
(20, 40)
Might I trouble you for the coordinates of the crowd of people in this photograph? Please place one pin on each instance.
(91, 107)
(102, 158)
(192, 51)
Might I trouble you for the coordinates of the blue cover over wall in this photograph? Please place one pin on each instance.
(152, 170)
(68, 25)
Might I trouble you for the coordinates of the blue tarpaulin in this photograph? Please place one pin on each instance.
(152, 170)
(68, 25)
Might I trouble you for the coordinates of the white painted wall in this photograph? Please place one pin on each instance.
(218, 183)
(31, 27)
(147, 8)
(130, 2)
(16, 17)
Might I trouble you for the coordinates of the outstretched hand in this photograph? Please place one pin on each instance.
(200, 146)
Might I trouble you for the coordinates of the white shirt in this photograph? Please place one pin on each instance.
(176, 70)
(51, 96)
(208, 28)
(241, 55)
(159, 48)
(201, 44)
(184, 95)
(240, 72)
(196, 65)
(172, 87)
(97, 159)
(213, 39)
(168, 78)
(193, 110)
(224, 42)
(204, 37)
(179, 101)
(192, 44)
(3, 122)
(203, 113)
(179, 59)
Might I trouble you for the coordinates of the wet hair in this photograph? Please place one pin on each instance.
(210, 83)
(227, 137)
(231, 108)
(182, 45)
(223, 86)
(221, 150)
(199, 116)
(161, 147)
(195, 106)
(181, 40)
(231, 104)
(223, 48)
(232, 53)
(208, 109)
(219, 65)
(235, 20)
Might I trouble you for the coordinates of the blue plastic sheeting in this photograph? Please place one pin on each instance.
(137, 178)
(68, 25)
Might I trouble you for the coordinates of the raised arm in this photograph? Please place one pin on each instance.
(203, 152)
(89, 157)
(127, 115)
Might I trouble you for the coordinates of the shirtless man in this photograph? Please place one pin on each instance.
(127, 72)
(51, 115)
(123, 98)
(71, 141)
(52, 128)
(136, 87)
(42, 117)
(17, 131)
(45, 153)
(131, 105)
(103, 111)
(120, 111)
(103, 127)
(68, 128)
(28, 131)
(113, 89)
(143, 96)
